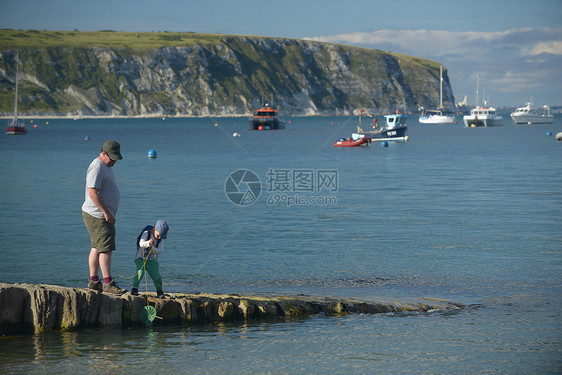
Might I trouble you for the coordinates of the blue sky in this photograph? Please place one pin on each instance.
(514, 46)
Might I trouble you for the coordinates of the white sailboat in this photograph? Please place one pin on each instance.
(436, 116)
(16, 127)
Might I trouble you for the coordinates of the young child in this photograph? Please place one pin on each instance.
(149, 245)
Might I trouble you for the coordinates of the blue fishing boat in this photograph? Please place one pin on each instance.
(394, 129)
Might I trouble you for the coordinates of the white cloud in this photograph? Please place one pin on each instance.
(515, 82)
(418, 41)
(553, 47)
(513, 63)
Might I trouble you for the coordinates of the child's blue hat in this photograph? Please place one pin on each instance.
(162, 228)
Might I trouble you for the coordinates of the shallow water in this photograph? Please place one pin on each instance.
(469, 215)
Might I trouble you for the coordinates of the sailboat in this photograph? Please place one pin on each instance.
(16, 127)
(436, 116)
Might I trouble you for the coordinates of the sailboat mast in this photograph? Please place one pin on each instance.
(477, 87)
(440, 87)
(15, 127)
(17, 77)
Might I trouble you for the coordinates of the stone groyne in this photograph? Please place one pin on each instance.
(37, 308)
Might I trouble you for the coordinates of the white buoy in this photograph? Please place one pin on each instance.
(236, 134)
(559, 136)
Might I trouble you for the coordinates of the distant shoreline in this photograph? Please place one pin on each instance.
(503, 110)
(77, 118)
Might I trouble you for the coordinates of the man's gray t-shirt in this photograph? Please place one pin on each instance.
(101, 177)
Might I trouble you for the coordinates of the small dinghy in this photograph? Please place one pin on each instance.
(350, 142)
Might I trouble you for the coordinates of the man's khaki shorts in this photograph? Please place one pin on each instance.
(102, 233)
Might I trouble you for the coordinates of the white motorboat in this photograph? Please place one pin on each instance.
(530, 114)
(482, 116)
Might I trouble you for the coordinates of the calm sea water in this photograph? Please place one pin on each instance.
(469, 215)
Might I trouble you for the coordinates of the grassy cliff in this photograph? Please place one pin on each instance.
(118, 73)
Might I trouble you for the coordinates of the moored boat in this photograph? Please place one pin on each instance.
(394, 129)
(437, 116)
(266, 118)
(350, 142)
(530, 114)
(482, 116)
(16, 127)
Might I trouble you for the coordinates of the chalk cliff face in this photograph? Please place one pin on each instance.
(231, 77)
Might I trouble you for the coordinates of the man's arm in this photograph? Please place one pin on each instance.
(94, 195)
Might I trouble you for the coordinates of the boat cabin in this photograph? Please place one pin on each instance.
(265, 112)
(393, 121)
(483, 111)
(523, 110)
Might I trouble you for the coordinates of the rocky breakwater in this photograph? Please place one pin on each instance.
(30, 308)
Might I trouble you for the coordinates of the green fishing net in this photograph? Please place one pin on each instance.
(147, 314)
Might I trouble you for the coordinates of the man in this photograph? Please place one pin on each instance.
(99, 210)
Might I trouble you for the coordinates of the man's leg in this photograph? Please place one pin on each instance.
(94, 262)
(109, 286)
(94, 265)
(105, 264)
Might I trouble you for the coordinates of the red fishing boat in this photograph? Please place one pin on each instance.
(350, 142)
